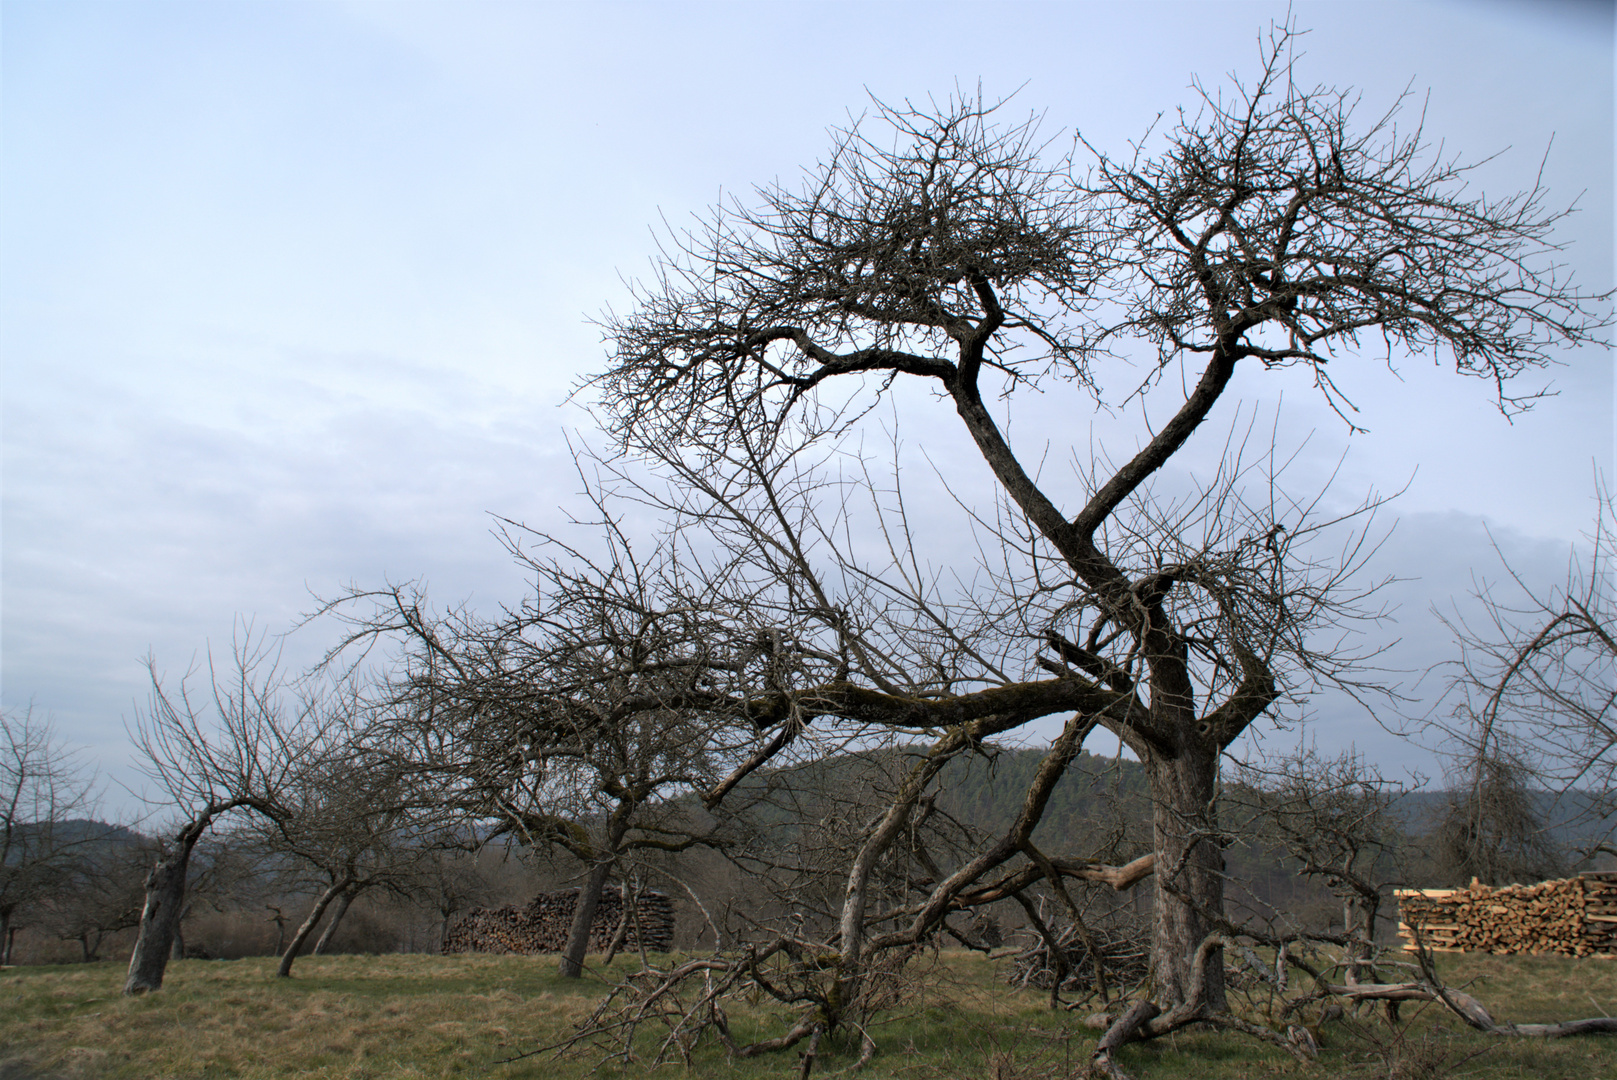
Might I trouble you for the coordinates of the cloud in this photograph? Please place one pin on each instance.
(290, 294)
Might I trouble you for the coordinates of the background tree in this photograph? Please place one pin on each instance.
(1533, 701)
(352, 819)
(47, 807)
(1261, 229)
(225, 874)
(235, 747)
(101, 891)
(452, 880)
(574, 722)
(1496, 825)
(1334, 820)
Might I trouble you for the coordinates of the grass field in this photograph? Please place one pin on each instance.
(429, 1016)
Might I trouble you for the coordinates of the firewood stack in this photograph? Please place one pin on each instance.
(1571, 917)
(543, 924)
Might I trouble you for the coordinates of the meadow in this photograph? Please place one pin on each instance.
(431, 1016)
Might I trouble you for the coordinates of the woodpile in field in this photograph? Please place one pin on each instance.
(542, 925)
(1571, 917)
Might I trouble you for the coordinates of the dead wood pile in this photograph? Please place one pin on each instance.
(1570, 917)
(1123, 953)
(542, 925)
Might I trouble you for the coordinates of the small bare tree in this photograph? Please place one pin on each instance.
(47, 798)
(576, 721)
(1334, 820)
(352, 819)
(452, 879)
(232, 747)
(1534, 711)
(224, 873)
(102, 892)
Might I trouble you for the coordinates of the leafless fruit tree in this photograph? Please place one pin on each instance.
(234, 746)
(1334, 818)
(352, 820)
(575, 722)
(1534, 707)
(452, 881)
(102, 892)
(1263, 228)
(46, 800)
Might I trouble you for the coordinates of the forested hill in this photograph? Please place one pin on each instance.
(1101, 809)
(1098, 803)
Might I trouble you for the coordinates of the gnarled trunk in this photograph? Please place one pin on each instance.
(1189, 874)
(165, 903)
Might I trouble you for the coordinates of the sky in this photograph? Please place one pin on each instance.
(293, 295)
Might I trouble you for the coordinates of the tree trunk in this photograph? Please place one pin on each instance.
(7, 936)
(165, 901)
(178, 951)
(1188, 886)
(621, 933)
(280, 927)
(578, 940)
(320, 905)
(1360, 916)
(337, 913)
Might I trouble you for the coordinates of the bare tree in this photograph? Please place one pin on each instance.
(232, 747)
(352, 819)
(101, 892)
(1533, 701)
(452, 879)
(224, 873)
(1264, 228)
(575, 722)
(1334, 820)
(47, 802)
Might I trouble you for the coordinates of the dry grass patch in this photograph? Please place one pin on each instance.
(429, 1017)
(340, 1017)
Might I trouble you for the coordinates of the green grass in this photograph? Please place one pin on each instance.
(428, 1016)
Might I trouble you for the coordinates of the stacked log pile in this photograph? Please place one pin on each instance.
(1570, 917)
(542, 925)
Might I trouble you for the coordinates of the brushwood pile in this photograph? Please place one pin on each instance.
(1569, 917)
(542, 925)
(1119, 959)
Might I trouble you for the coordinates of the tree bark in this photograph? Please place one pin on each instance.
(343, 901)
(7, 936)
(578, 939)
(165, 902)
(621, 934)
(1189, 874)
(320, 905)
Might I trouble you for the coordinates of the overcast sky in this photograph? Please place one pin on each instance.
(291, 293)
